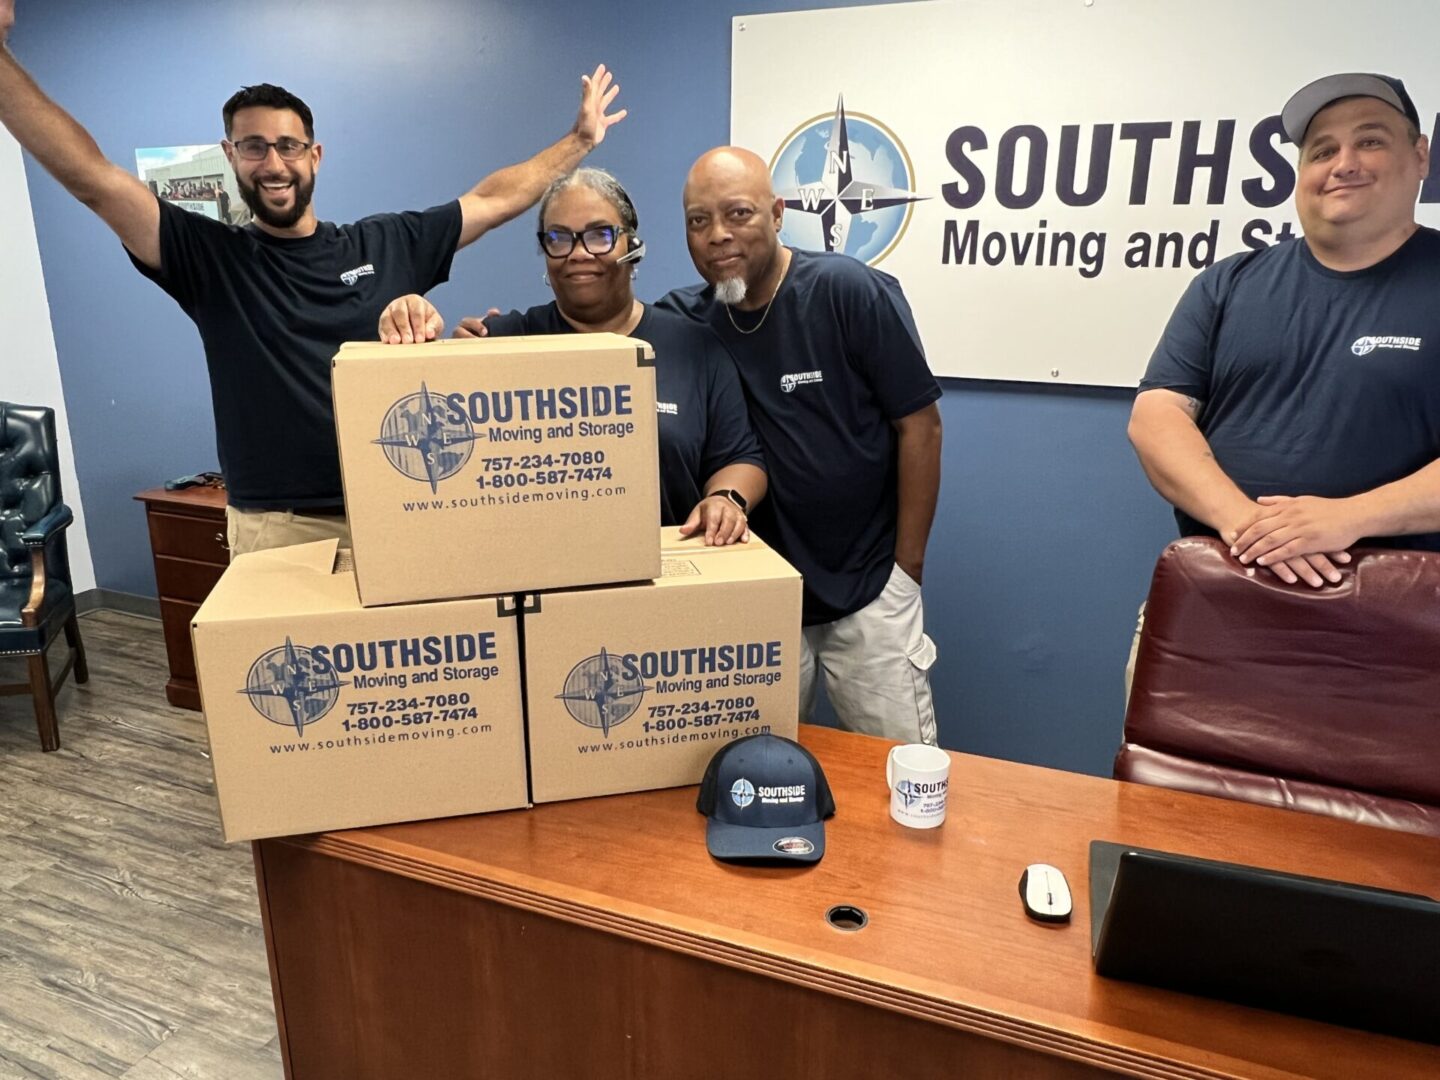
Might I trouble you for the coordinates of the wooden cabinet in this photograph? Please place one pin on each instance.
(187, 539)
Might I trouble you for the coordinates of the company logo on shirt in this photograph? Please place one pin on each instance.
(669, 408)
(1369, 343)
(349, 277)
(799, 378)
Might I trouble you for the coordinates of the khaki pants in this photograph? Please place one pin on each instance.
(258, 530)
(877, 666)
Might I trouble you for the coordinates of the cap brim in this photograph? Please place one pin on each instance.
(1308, 100)
(742, 843)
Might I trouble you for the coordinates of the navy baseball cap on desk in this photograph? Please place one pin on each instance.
(767, 800)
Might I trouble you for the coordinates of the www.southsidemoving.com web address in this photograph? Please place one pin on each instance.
(513, 498)
(667, 740)
(348, 742)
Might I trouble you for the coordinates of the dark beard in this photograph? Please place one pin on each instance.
(304, 191)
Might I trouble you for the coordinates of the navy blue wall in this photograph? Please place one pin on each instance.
(1046, 531)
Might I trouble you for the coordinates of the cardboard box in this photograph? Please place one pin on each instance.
(481, 467)
(633, 687)
(326, 715)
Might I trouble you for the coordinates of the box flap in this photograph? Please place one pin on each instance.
(671, 540)
(318, 556)
(287, 581)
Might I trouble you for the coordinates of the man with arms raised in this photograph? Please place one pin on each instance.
(1292, 406)
(843, 403)
(274, 300)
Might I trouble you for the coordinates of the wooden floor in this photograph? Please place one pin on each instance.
(130, 940)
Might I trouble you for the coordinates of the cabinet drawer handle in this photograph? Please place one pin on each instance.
(220, 539)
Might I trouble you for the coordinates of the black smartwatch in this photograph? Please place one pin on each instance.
(734, 496)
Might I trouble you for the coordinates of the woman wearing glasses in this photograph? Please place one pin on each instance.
(711, 470)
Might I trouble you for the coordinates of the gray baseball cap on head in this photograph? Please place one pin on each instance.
(1309, 100)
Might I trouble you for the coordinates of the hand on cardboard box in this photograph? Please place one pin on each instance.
(722, 521)
(474, 325)
(408, 319)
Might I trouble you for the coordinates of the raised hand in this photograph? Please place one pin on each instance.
(597, 92)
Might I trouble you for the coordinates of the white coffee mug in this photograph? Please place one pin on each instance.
(919, 779)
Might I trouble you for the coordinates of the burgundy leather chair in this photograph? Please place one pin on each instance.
(1323, 700)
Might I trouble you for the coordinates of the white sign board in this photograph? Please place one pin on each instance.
(1046, 176)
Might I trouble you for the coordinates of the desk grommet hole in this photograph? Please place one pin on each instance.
(847, 917)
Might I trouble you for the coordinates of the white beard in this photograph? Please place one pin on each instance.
(731, 291)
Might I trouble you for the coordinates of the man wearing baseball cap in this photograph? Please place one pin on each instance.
(1292, 406)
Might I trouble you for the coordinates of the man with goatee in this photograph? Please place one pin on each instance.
(843, 402)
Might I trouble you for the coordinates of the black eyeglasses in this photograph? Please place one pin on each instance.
(558, 243)
(255, 148)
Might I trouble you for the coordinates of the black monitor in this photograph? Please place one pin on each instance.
(1347, 954)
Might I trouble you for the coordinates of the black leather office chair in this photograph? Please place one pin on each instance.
(36, 598)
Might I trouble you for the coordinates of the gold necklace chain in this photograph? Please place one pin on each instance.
(764, 315)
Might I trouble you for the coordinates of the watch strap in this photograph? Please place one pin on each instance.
(734, 496)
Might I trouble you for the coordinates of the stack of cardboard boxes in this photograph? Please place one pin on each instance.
(497, 491)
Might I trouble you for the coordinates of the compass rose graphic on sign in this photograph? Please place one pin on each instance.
(847, 180)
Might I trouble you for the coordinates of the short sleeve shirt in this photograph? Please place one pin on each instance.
(272, 312)
(1312, 381)
(702, 419)
(836, 360)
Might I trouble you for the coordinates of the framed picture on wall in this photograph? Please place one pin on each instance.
(197, 178)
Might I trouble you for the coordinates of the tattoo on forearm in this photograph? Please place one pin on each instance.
(1192, 407)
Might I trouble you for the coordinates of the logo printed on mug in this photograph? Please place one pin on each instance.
(919, 780)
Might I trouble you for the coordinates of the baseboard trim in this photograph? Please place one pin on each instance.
(113, 600)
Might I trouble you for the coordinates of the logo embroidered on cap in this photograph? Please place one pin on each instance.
(791, 794)
(793, 845)
(349, 277)
(1370, 342)
(742, 792)
(799, 378)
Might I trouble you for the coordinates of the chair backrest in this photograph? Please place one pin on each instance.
(1325, 700)
(29, 482)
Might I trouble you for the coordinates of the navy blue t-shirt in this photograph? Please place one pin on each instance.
(703, 423)
(836, 359)
(272, 313)
(1313, 381)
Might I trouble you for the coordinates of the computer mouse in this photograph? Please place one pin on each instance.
(1046, 893)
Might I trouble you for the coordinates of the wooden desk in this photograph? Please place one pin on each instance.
(598, 939)
(187, 540)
